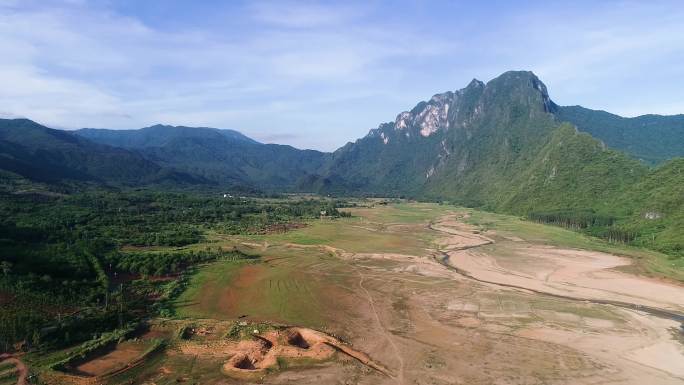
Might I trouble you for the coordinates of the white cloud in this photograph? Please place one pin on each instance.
(74, 65)
(326, 72)
(304, 15)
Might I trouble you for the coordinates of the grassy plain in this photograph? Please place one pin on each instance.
(299, 276)
(284, 286)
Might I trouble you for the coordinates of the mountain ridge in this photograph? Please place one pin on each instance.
(444, 136)
(503, 146)
(149, 136)
(48, 155)
(220, 155)
(651, 138)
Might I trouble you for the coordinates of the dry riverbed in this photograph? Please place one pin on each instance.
(412, 294)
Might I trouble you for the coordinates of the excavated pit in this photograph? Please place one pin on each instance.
(288, 347)
(265, 343)
(242, 361)
(295, 338)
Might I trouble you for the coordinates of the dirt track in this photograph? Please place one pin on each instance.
(21, 369)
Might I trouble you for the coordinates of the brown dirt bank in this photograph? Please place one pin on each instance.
(251, 358)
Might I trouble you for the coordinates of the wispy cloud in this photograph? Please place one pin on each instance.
(319, 74)
(293, 14)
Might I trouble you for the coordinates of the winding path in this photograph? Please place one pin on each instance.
(21, 368)
(443, 258)
(400, 377)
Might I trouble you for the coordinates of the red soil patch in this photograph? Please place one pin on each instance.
(120, 356)
(245, 278)
(250, 359)
(263, 352)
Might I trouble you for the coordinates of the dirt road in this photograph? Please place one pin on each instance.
(21, 368)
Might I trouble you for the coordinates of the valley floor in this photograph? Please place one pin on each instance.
(376, 280)
(433, 297)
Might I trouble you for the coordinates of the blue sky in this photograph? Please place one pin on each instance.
(319, 74)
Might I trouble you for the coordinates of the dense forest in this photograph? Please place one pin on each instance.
(73, 266)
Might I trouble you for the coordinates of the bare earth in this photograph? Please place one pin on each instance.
(431, 325)
(649, 356)
(115, 359)
(578, 273)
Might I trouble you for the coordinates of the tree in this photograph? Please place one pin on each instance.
(36, 338)
(6, 267)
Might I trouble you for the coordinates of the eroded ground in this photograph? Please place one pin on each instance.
(577, 273)
(636, 347)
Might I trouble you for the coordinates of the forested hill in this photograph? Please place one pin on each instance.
(225, 157)
(651, 138)
(497, 145)
(158, 136)
(42, 154)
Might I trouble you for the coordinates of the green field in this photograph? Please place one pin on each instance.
(299, 279)
(296, 285)
(399, 228)
(286, 285)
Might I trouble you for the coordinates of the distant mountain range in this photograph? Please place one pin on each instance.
(46, 155)
(225, 157)
(503, 145)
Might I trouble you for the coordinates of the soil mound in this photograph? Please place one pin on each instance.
(250, 358)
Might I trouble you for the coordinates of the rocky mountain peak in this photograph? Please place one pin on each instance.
(427, 117)
(475, 84)
(523, 86)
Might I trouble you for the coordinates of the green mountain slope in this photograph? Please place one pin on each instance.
(571, 171)
(656, 208)
(43, 154)
(157, 136)
(464, 146)
(651, 138)
(503, 146)
(224, 156)
(493, 143)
